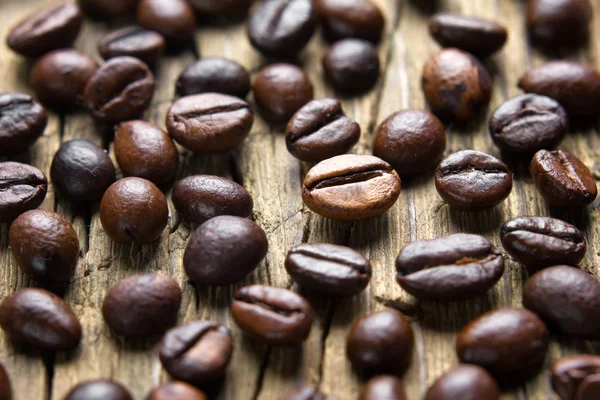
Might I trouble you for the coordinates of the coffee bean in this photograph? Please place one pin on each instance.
(146, 151)
(412, 141)
(224, 250)
(575, 377)
(320, 130)
(82, 171)
(343, 19)
(199, 198)
(176, 391)
(38, 318)
(454, 267)
(5, 386)
(554, 23)
(142, 305)
(504, 340)
(99, 389)
(456, 84)
(134, 210)
(222, 8)
(528, 123)
(209, 122)
(196, 353)
(329, 269)
(173, 19)
(383, 387)
(351, 66)
(575, 86)
(562, 179)
(306, 392)
(133, 41)
(273, 316)
(107, 9)
(45, 30)
(45, 245)
(22, 188)
(214, 74)
(540, 242)
(471, 180)
(280, 90)
(120, 90)
(464, 382)
(351, 187)
(477, 36)
(22, 122)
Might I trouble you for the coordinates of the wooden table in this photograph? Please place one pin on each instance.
(274, 178)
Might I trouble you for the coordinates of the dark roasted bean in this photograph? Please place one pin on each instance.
(343, 19)
(222, 8)
(552, 23)
(465, 382)
(576, 377)
(99, 389)
(173, 19)
(214, 74)
(133, 41)
(176, 391)
(107, 9)
(306, 392)
(22, 188)
(351, 66)
(22, 122)
(381, 387)
(5, 386)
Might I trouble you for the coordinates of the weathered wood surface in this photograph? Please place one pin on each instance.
(274, 178)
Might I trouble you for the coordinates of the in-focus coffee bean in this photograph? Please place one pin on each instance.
(99, 389)
(176, 391)
(576, 377)
(342, 19)
(554, 23)
(225, 9)
(133, 41)
(22, 188)
(306, 392)
(383, 387)
(5, 386)
(351, 66)
(173, 19)
(214, 74)
(464, 382)
(22, 122)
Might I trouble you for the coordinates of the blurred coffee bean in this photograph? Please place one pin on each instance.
(99, 389)
(554, 23)
(133, 41)
(383, 387)
(351, 66)
(107, 9)
(22, 122)
(175, 20)
(214, 74)
(176, 391)
(342, 19)
(466, 382)
(576, 377)
(22, 188)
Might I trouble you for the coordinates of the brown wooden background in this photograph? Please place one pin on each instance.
(274, 178)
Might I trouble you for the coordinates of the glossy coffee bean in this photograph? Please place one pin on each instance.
(504, 340)
(214, 74)
(222, 8)
(199, 198)
(465, 382)
(146, 151)
(59, 77)
(383, 387)
(134, 210)
(224, 250)
(280, 90)
(142, 305)
(209, 122)
(107, 9)
(351, 187)
(22, 122)
(540, 242)
(173, 19)
(82, 171)
(45, 246)
(133, 41)
(196, 353)
(176, 391)
(575, 377)
(471, 180)
(381, 342)
(412, 141)
(528, 123)
(22, 188)
(40, 319)
(273, 316)
(559, 22)
(306, 392)
(5, 386)
(351, 66)
(575, 86)
(45, 30)
(320, 130)
(328, 268)
(456, 84)
(99, 389)
(478, 36)
(342, 19)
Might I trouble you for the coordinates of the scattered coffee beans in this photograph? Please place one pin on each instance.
(214, 74)
(351, 66)
(133, 41)
(107, 9)
(306, 392)
(383, 387)
(227, 9)
(100, 389)
(173, 19)
(576, 377)
(176, 391)
(559, 22)
(5, 386)
(343, 19)
(22, 122)
(22, 188)
(467, 382)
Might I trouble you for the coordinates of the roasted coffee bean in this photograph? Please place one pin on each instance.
(280, 90)
(146, 151)
(196, 353)
(412, 141)
(454, 267)
(173, 19)
(107, 9)
(22, 122)
(209, 122)
(562, 179)
(504, 340)
(320, 130)
(456, 84)
(559, 22)
(540, 242)
(576, 377)
(224, 250)
(478, 36)
(22, 188)
(38, 318)
(471, 180)
(133, 210)
(199, 198)
(273, 316)
(383, 387)
(48, 29)
(59, 77)
(214, 74)
(82, 171)
(133, 41)
(306, 392)
(281, 28)
(142, 305)
(176, 391)
(343, 19)
(99, 389)
(351, 66)
(465, 382)
(5, 386)
(329, 269)
(45, 245)
(575, 86)
(381, 342)
(222, 8)
(351, 187)
(528, 123)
